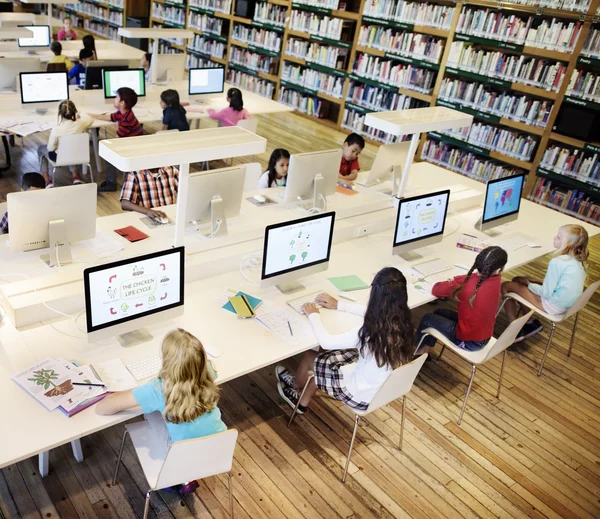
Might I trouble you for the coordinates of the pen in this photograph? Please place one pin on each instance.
(290, 327)
(469, 235)
(84, 384)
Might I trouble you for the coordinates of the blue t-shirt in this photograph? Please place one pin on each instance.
(78, 73)
(175, 119)
(150, 398)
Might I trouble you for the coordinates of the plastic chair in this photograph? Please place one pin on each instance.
(188, 460)
(489, 351)
(555, 319)
(56, 67)
(253, 173)
(73, 150)
(398, 384)
(248, 124)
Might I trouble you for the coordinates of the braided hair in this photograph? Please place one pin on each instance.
(488, 261)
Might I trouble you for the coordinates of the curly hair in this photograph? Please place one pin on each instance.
(387, 331)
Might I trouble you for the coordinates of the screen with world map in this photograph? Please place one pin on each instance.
(502, 197)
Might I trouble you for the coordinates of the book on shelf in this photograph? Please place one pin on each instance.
(573, 201)
(572, 162)
(418, 13)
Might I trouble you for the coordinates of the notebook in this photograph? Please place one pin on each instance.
(254, 302)
(131, 233)
(348, 283)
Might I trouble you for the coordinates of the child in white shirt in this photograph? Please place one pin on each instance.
(277, 170)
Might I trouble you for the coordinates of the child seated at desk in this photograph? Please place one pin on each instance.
(173, 113)
(229, 116)
(67, 33)
(145, 63)
(277, 170)
(147, 189)
(58, 58)
(184, 392)
(29, 181)
(90, 44)
(349, 168)
(77, 73)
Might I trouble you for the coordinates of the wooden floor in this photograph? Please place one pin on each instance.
(533, 453)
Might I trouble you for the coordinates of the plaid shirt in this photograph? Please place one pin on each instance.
(151, 188)
(4, 223)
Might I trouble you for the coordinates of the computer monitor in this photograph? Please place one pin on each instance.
(52, 218)
(114, 79)
(10, 68)
(170, 67)
(313, 176)
(420, 221)
(296, 248)
(43, 87)
(502, 201)
(127, 295)
(206, 80)
(39, 38)
(388, 163)
(214, 196)
(94, 71)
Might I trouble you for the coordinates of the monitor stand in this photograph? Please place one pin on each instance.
(32, 52)
(490, 232)
(218, 222)
(290, 287)
(319, 193)
(410, 256)
(134, 338)
(60, 249)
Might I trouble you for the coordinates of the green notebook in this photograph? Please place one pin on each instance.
(348, 283)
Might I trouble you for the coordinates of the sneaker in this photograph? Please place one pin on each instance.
(291, 395)
(530, 328)
(188, 488)
(49, 184)
(77, 181)
(284, 376)
(106, 187)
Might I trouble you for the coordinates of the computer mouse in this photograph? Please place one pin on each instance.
(260, 199)
(161, 220)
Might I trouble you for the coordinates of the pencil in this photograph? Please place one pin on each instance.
(290, 327)
(84, 384)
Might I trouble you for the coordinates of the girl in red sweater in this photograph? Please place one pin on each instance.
(478, 296)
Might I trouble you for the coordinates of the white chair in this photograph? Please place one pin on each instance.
(73, 150)
(555, 319)
(398, 384)
(489, 351)
(188, 460)
(253, 173)
(248, 124)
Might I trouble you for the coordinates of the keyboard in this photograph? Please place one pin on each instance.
(431, 267)
(145, 368)
(513, 242)
(297, 303)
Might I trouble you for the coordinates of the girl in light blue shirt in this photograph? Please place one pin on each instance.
(562, 285)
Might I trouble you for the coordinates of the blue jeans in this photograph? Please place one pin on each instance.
(445, 321)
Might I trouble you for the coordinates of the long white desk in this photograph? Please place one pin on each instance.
(32, 430)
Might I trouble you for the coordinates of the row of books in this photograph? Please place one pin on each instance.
(302, 102)
(529, 70)
(313, 79)
(269, 40)
(571, 201)
(524, 30)
(253, 60)
(480, 96)
(353, 121)
(328, 55)
(165, 47)
(168, 13)
(101, 29)
(273, 14)
(405, 43)
(205, 23)
(326, 26)
(194, 61)
(591, 47)
(418, 13)
(585, 84)
(395, 74)
(567, 5)
(326, 4)
(503, 140)
(572, 162)
(223, 6)
(208, 46)
(465, 162)
(101, 12)
(254, 84)
(379, 99)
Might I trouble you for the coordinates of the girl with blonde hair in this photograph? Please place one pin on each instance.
(69, 123)
(562, 285)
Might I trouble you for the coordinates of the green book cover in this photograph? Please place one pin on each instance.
(348, 283)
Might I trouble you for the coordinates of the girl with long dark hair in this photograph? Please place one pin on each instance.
(277, 169)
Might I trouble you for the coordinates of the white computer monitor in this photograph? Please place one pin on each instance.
(43, 87)
(206, 80)
(170, 67)
(127, 295)
(10, 68)
(295, 249)
(40, 36)
(388, 163)
(502, 201)
(52, 218)
(114, 79)
(214, 196)
(420, 221)
(312, 176)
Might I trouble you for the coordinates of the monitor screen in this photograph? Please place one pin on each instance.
(136, 287)
(502, 197)
(115, 79)
(421, 217)
(43, 87)
(297, 244)
(39, 38)
(93, 75)
(206, 80)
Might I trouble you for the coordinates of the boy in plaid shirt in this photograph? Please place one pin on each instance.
(149, 188)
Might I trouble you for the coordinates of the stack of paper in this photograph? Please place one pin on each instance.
(293, 329)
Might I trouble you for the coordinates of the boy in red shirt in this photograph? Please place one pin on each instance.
(349, 168)
(478, 294)
(128, 126)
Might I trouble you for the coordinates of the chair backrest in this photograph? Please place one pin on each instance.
(56, 67)
(583, 299)
(197, 458)
(249, 124)
(397, 384)
(508, 337)
(73, 150)
(253, 172)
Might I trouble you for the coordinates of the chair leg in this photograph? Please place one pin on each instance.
(501, 306)
(230, 494)
(547, 348)
(473, 369)
(310, 377)
(400, 441)
(573, 334)
(501, 373)
(356, 419)
(147, 504)
(441, 352)
(114, 481)
(420, 342)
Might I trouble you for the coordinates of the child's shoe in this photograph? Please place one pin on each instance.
(188, 488)
(77, 181)
(49, 184)
(291, 396)
(284, 376)
(530, 328)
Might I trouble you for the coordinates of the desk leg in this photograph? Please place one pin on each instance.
(43, 463)
(95, 139)
(77, 451)
(6, 166)
(197, 124)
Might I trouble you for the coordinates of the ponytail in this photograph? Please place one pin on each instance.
(235, 99)
(67, 110)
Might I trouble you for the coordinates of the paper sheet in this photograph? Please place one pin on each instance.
(114, 375)
(276, 319)
(102, 245)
